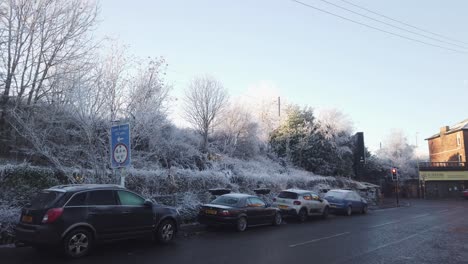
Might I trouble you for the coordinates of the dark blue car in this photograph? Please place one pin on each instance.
(346, 201)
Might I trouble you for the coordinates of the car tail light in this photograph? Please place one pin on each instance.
(274, 199)
(52, 215)
(297, 202)
(224, 213)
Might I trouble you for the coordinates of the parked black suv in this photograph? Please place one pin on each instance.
(74, 217)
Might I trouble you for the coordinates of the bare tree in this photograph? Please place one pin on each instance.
(38, 40)
(204, 101)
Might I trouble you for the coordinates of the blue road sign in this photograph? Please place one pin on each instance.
(120, 146)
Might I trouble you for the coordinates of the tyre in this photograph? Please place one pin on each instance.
(241, 224)
(77, 243)
(364, 209)
(166, 231)
(278, 219)
(302, 216)
(349, 211)
(325, 212)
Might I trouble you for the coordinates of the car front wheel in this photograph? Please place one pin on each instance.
(302, 215)
(77, 243)
(325, 212)
(364, 209)
(166, 231)
(241, 225)
(349, 211)
(277, 220)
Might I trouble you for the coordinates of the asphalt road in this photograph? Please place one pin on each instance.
(426, 232)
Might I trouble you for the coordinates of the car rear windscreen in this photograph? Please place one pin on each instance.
(288, 195)
(339, 195)
(226, 200)
(45, 199)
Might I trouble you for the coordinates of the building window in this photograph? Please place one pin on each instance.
(458, 140)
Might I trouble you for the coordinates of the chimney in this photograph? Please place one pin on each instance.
(444, 130)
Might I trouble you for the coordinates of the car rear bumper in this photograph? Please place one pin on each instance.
(334, 208)
(37, 234)
(288, 212)
(216, 220)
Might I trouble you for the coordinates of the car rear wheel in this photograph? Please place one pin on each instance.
(325, 212)
(302, 216)
(277, 220)
(166, 231)
(241, 225)
(349, 211)
(77, 243)
(364, 209)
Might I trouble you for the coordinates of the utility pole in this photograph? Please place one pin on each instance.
(279, 106)
(397, 192)
(396, 177)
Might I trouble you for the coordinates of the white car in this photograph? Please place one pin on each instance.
(301, 204)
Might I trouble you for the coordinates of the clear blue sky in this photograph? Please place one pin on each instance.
(381, 81)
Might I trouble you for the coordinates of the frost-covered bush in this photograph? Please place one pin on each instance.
(185, 189)
(8, 218)
(20, 183)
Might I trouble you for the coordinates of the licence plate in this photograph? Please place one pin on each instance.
(283, 207)
(211, 212)
(333, 206)
(26, 219)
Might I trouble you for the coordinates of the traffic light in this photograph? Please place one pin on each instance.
(394, 174)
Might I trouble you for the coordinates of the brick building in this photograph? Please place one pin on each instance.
(446, 174)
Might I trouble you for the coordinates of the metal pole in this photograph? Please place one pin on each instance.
(122, 177)
(397, 192)
(279, 106)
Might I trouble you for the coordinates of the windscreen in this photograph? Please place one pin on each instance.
(226, 200)
(335, 194)
(288, 195)
(45, 199)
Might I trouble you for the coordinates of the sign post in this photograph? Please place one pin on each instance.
(120, 149)
(396, 177)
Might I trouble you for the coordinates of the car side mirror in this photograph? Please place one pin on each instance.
(148, 203)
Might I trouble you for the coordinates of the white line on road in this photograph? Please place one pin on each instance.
(418, 216)
(319, 239)
(384, 224)
(443, 211)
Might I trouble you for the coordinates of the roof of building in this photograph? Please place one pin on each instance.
(463, 125)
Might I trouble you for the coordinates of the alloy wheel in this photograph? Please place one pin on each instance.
(78, 244)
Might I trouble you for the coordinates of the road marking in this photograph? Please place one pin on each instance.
(384, 224)
(319, 239)
(443, 211)
(418, 216)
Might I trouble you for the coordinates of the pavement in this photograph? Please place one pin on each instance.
(425, 232)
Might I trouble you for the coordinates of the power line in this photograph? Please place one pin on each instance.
(378, 29)
(401, 22)
(391, 25)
